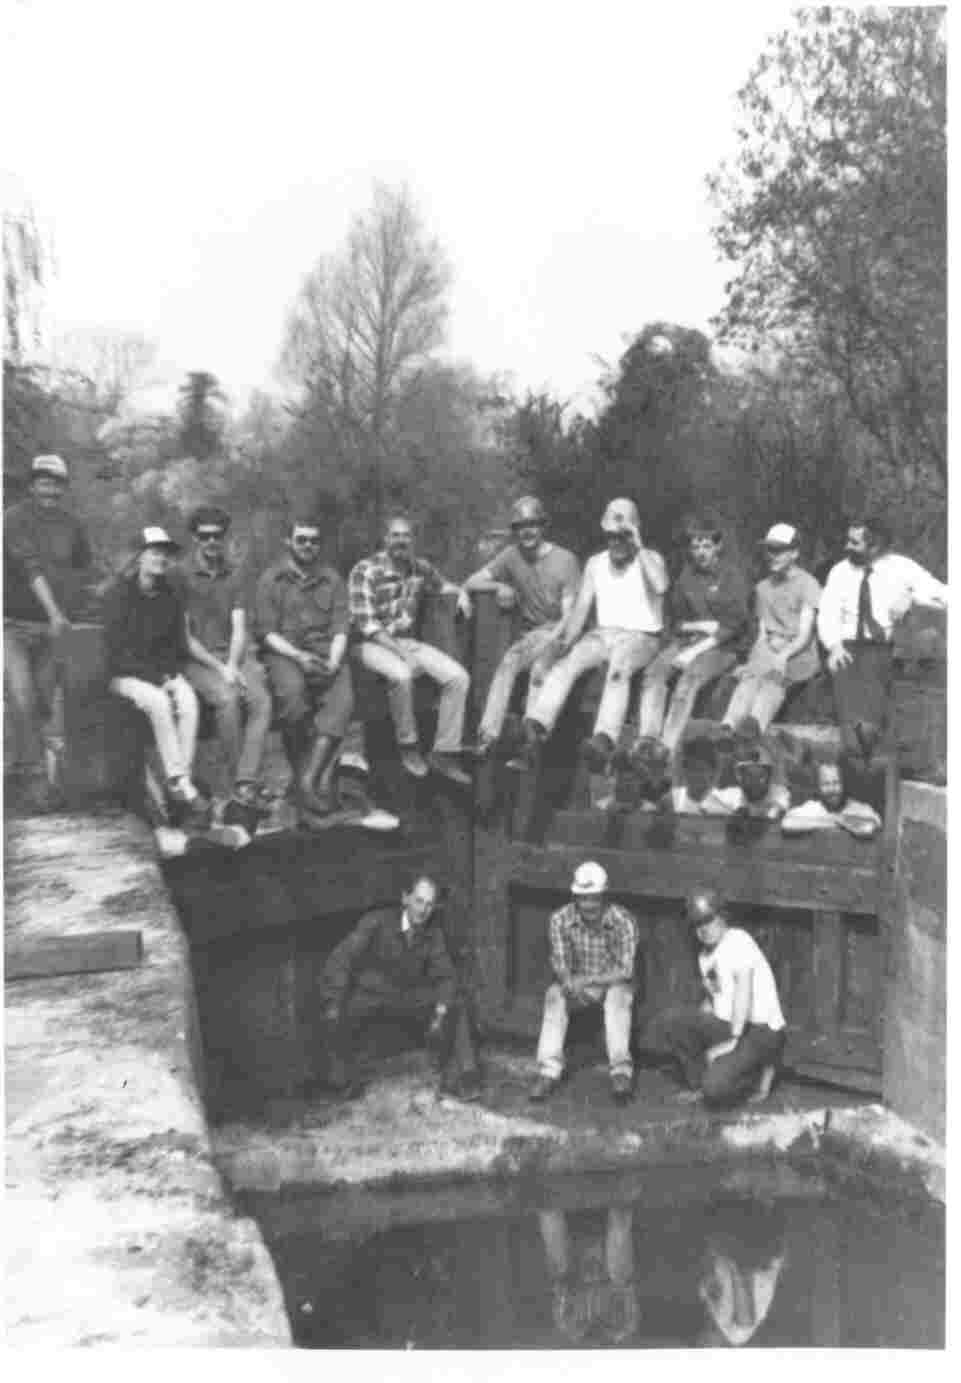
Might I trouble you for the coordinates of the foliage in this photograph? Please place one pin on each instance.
(200, 409)
(834, 216)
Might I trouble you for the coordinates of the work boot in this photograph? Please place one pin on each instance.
(543, 1087)
(622, 1087)
(413, 761)
(447, 766)
(319, 762)
(868, 736)
(597, 753)
(533, 736)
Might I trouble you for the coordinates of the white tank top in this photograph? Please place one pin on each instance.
(623, 598)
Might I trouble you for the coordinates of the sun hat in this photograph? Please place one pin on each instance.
(589, 878)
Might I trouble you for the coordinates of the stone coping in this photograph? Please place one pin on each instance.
(118, 1228)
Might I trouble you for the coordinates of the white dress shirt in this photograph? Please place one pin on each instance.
(896, 583)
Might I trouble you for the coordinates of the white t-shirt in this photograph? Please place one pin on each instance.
(622, 596)
(735, 953)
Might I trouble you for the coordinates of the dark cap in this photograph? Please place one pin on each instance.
(702, 906)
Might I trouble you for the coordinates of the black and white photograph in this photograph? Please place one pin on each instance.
(475, 773)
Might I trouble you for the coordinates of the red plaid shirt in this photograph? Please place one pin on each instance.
(384, 600)
(585, 952)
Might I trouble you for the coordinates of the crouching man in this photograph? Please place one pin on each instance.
(593, 944)
(730, 1047)
(396, 962)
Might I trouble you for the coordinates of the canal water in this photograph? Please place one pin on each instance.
(596, 1263)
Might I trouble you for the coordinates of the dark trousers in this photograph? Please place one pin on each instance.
(456, 1051)
(329, 704)
(689, 1032)
(862, 690)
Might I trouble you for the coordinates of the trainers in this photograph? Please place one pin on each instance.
(377, 819)
(543, 1087)
(413, 761)
(597, 753)
(622, 1087)
(448, 767)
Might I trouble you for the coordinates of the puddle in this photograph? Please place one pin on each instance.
(677, 1260)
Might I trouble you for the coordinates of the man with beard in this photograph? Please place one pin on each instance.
(864, 596)
(540, 580)
(386, 593)
(708, 605)
(785, 652)
(46, 555)
(302, 617)
(832, 808)
(626, 585)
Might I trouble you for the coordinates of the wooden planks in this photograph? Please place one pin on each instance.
(85, 953)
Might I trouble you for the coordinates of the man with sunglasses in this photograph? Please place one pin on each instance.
(301, 618)
(539, 580)
(729, 1048)
(222, 669)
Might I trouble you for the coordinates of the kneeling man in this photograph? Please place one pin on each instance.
(396, 962)
(593, 944)
(729, 1048)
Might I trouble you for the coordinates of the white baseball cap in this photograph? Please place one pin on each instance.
(49, 464)
(157, 537)
(589, 878)
(781, 535)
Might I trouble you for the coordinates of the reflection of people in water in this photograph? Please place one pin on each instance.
(743, 1258)
(592, 1279)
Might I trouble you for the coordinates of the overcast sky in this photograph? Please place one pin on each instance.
(193, 159)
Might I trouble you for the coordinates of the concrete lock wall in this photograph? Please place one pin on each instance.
(915, 1049)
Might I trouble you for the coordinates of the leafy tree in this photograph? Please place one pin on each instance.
(833, 214)
(201, 410)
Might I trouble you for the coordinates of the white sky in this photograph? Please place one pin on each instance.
(193, 159)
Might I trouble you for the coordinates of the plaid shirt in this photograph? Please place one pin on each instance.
(582, 951)
(384, 600)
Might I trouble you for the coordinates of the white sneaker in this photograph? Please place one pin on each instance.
(354, 761)
(377, 819)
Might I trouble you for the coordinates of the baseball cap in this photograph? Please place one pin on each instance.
(701, 906)
(621, 516)
(781, 535)
(589, 878)
(49, 464)
(528, 509)
(156, 537)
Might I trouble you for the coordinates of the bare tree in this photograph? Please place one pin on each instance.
(103, 369)
(362, 330)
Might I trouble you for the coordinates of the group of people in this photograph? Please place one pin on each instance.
(396, 961)
(179, 636)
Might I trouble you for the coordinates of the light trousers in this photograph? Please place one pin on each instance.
(242, 717)
(173, 713)
(705, 668)
(624, 652)
(617, 1001)
(760, 696)
(400, 670)
(534, 651)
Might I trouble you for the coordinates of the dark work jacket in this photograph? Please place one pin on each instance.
(42, 542)
(419, 961)
(144, 636)
(722, 595)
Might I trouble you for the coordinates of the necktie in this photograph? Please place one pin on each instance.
(868, 627)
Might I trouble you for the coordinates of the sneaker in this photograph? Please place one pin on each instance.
(377, 819)
(543, 1088)
(245, 814)
(413, 761)
(597, 753)
(622, 1087)
(448, 767)
(352, 761)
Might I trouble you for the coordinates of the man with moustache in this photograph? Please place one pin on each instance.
(540, 580)
(386, 592)
(864, 596)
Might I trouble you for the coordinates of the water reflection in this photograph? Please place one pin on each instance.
(592, 1280)
(741, 1273)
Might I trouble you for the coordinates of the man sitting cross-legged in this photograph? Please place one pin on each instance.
(396, 962)
(593, 944)
(729, 1048)
(540, 579)
(626, 585)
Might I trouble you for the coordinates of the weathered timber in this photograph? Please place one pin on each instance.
(84, 953)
